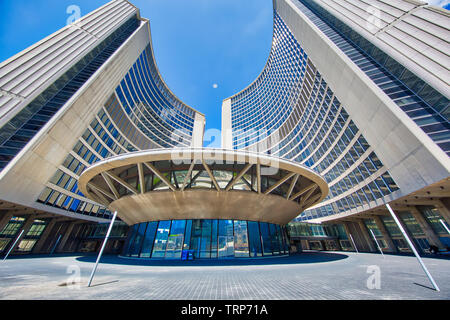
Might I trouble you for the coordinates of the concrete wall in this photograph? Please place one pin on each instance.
(25, 177)
(25, 75)
(412, 158)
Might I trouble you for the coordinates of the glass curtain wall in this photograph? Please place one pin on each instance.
(206, 239)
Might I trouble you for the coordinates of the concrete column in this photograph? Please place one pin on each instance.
(385, 233)
(198, 131)
(347, 231)
(38, 246)
(360, 241)
(368, 237)
(65, 237)
(426, 228)
(418, 248)
(443, 205)
(26, 227)
(227, 137)
(4, 219)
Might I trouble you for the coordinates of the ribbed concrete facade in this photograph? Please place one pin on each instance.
(354, 98)
(97, 80)
(358, 92)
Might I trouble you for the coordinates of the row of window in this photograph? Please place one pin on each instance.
(322, 136)
(24, 126)
(206, 239)
(425, 106)
(129, 130)
(291, 132)
(268, 103)
(304, 127)
(138, 87)
(380, 187)
(28, 240)
(60, 200)
(113, 132)
(98, 149)
(362, 172)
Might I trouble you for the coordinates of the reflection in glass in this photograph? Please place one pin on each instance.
(214, 238)
(136, 247)
(223, 178)
(205, 251)
(131, 239)
(187, 235)
(147, 245)
(175, 241)
(196, 237)
(206, 239)
(158, 184)
(255, 239)
(280, 239)
(240, 239)
(265, 236)
(226, 239)
(203, 180)
(159, 249)
(274, 237)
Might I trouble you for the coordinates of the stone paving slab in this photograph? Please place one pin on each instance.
(307, 276)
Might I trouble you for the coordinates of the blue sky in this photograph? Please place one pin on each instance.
(197, 43)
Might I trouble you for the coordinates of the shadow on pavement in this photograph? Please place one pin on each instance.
(303, 258)
(104, 283)
(424, 286)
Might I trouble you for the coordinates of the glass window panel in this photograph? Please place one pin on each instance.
(203, 180)
(371, 225)
(280, 239)
(391, 226)
(3, 244)
(266, 241)
(175, 241)
(433, 216)
(159, 247)
(226, 239)
(255, 239)
(13, 226)
(187, 235)
(274, 238)
(205, 251)
(26, 245)
(411, 223)
(196, 237)
(240, 239)
(137, 242)
(214, 239)
(222, 178)
(147, 244)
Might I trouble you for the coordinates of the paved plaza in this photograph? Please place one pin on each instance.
(311, 276)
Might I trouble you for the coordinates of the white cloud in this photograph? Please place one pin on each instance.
(215, 85)
(439, 3)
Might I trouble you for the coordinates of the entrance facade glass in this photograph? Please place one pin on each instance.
(205, 239)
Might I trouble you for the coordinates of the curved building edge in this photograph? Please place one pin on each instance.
(115, 55)
(388, 143)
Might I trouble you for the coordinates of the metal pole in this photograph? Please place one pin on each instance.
(354, 244)
(56, 244)
(12, 247)
(445, 226)
(412, 247)
(374, 238)
(103, 247)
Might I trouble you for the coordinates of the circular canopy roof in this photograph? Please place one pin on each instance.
(202, 184)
